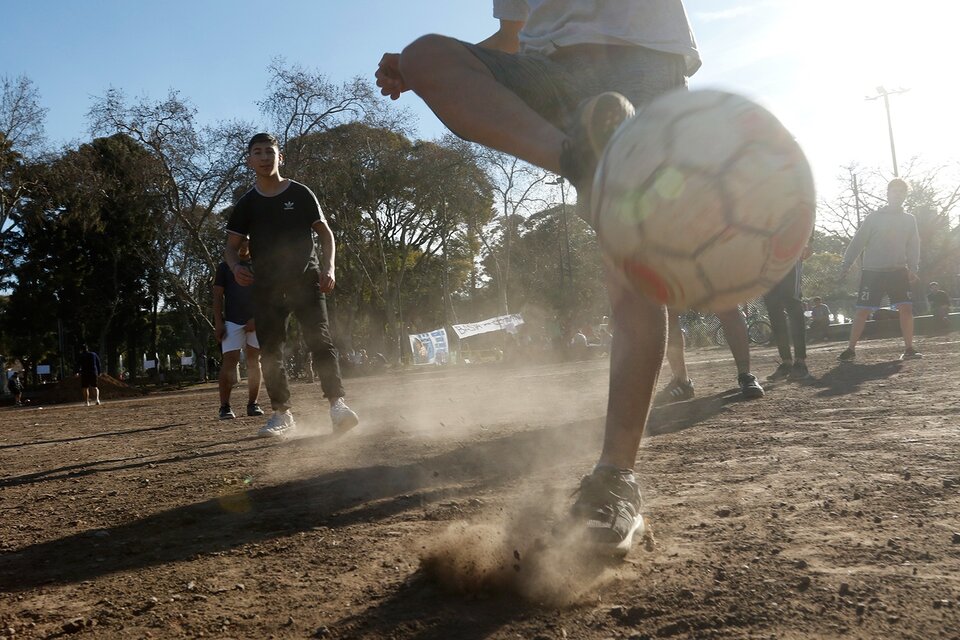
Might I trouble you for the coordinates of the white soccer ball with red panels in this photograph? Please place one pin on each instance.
(703, 200)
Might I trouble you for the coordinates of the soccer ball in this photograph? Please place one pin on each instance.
(703, 200)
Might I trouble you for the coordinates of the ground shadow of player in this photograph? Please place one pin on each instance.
(103, 434)
(848, 378)
(250, 514)
(672, 418)
(137, 461)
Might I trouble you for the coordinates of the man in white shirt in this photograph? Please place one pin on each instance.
(550, 87)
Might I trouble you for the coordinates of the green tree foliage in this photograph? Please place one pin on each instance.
(401, 212)
(80, 269)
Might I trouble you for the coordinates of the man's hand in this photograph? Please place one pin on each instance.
(388, 76)
(327, 281)
(220, 332)
(251, 325)
(243, 275)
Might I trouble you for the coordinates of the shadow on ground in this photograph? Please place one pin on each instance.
(335, 499)
(849, 377)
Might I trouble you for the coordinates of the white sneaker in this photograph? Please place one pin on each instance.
(343, 417)
(280, 425)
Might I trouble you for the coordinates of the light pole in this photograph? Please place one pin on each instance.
(565, 246)
(885, 94)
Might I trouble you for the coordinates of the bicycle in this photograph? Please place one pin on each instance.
(759, 329)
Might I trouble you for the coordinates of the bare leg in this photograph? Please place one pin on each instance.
(86, 395)
(859, 322)
(466, 97)
(254, 374)
(675, 349)
(228, 370)
(96, 395)
(735, 330)
(639, 343)
(906, 324)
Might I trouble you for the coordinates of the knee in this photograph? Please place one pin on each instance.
(424, 57)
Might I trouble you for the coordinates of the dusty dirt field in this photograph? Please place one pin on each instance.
(826, 510)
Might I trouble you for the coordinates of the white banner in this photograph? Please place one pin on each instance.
(505, 323)
(430, 348)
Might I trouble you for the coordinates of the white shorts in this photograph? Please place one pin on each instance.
(237, 337)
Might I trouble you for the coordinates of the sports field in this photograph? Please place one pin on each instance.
(829, 509)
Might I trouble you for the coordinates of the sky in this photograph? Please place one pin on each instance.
(812, 62)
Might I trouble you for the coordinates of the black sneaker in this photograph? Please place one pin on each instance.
(226, 413)
(911, 354)
(847, 356)
(749, 386)
(253, 409)
(799, 371)
(608, 506)
(675, 391)
(596, 120)
(783, 371)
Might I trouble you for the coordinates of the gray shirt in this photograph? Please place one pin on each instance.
(550, 24)
(889, 241)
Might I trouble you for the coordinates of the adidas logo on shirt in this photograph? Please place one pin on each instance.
(288, 206)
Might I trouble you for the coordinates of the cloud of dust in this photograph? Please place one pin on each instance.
(520, 555)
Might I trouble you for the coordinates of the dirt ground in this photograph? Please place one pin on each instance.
(829, 509)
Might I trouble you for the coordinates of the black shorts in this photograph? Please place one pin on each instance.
(874, 285)
(88, 379)
(555, 85)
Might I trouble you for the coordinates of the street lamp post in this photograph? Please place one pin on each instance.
(885, 94)
(565, 246)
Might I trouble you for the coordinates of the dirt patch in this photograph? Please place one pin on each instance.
(827, 509)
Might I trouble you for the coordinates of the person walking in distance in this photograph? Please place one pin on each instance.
(235, 329)
(280, 217)
(549, 87)
(890, 244)
(89, 370)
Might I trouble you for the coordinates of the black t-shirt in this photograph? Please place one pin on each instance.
(280, 229)
(90, 363)
(237, 300)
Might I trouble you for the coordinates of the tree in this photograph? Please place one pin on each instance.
(398, 209)
(21, 138)
(198, 169)
(81, 273)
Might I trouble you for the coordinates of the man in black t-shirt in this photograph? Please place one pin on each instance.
(236, 330)
(89, 370)
(280, 216)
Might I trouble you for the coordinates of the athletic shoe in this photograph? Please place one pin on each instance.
(596, 120)
(98, 403)
(848, 355)
(799, 371)
(783, 371)
(253, 409)
(226, 413)
(675, 391)
(608, 506)
(749, 386)
(343, 417)
(280, 425)
(911, 354)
